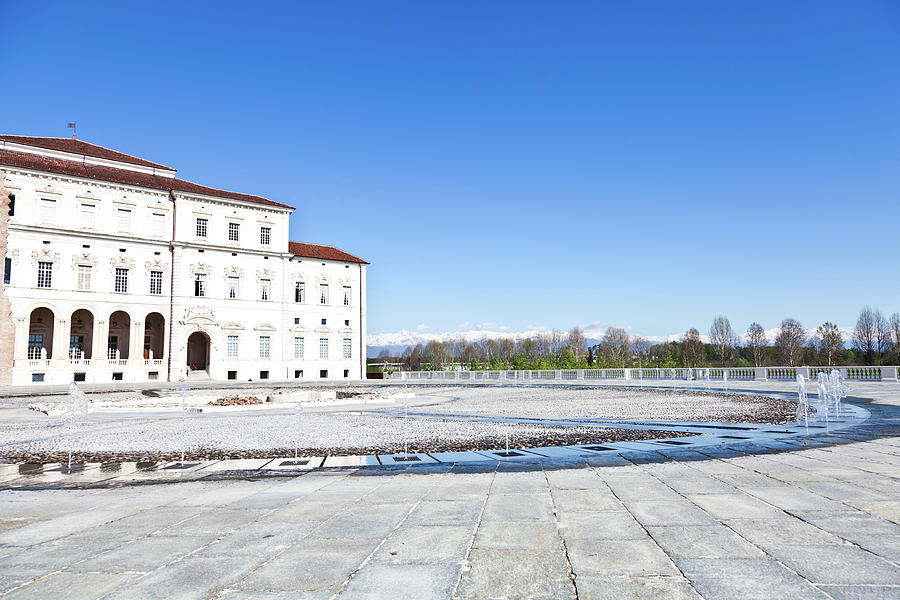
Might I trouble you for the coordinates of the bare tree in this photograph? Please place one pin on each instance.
(576, 342)
(640, 348)
(756, 339)
(865, 334)
(615, 346)
(895, 329)
(692, 350)
(829, 340)
(790, 340)
(882, 334)
(721, 335)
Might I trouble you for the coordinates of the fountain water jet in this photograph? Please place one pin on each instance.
(75, 414)
(802, 401)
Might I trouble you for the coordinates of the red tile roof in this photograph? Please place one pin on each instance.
(156, 182)
(79, 147)
(322, 252)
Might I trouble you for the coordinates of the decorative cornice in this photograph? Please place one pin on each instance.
(121, 262)
(44, 255)
(233, 271)
(84, 258)
(199, 315)
(156, 265)
(201, 267)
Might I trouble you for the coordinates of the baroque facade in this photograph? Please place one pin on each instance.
(115, 269)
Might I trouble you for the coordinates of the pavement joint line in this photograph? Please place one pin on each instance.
(562, 540)
(723, 523)
(466, 565)
(309, 533)
(384, 540)
(798, 517)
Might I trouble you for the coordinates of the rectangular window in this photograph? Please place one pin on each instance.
(265, 235)
(233, 287)
(298, 347)
(84, 277)
(48, 211)
(156, 282)
(12, 204)
(45, 274)
(158, 223)
(264, 346)
(121, 285)
(123, 219)
(200, 285)
(88, 215)
(232, 374)
(346, 295)
(300, 292)
(234, 232)
(348, 348)
(323, 347)
(35, 343)
(265, 289)
(7, 270)
(201, 227)
(112, 345)
(323, 293)
(232, 346)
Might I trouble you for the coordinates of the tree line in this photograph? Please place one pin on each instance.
(874, 341)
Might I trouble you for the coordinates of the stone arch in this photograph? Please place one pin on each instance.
(119, 337)
(154, 335)
(81, 335)
(198, 350)
(41, 322)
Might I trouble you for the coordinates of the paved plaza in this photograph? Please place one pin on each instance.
(805, 517)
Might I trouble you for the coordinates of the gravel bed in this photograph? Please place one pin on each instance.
(521, 436)
(611, 403)
(105, 437)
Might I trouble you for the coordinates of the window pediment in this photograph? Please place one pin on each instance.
(121, 262)
(156, 265)
(264, 327)
(48, 189)
(234, 271)
(44, 255)
(201, 267)
(85, 259)
(233, 327)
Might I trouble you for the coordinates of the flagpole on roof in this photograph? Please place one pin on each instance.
(72, 127)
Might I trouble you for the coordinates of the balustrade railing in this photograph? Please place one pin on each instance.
(857, 373)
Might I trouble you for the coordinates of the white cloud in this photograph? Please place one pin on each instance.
(422, 327)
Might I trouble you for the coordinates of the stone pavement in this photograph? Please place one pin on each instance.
(734, 521)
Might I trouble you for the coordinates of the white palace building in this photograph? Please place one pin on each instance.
(116, 270)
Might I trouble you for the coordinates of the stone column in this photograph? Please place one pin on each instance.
(7, 326)
(136, 343)
(101, 343)
(21, 350)
(61, 333)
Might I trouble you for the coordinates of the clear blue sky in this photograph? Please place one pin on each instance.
(643, 164)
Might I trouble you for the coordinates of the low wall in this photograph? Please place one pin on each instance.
(854, 373)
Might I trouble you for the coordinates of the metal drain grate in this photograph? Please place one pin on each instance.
(598, 448)
(506, 454)
(673, 443)
(181, 466)
(734, 437)
(405, 458)
(293, 463)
